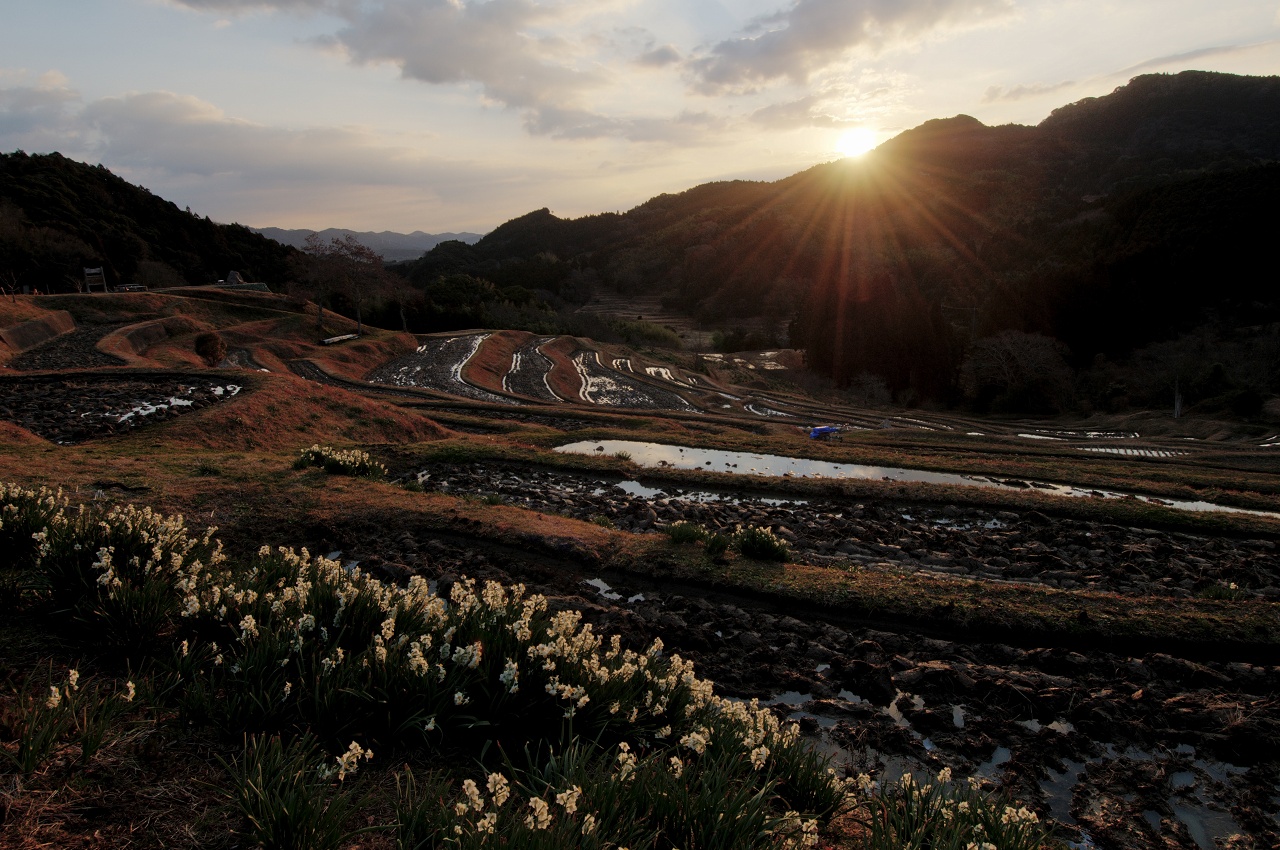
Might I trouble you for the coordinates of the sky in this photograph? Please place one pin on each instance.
(458, 115)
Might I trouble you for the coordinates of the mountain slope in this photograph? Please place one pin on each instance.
(1155, 199)
(58, 216)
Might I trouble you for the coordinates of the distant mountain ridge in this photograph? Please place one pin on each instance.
(391, 246)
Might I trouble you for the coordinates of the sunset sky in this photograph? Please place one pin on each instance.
(444, 115)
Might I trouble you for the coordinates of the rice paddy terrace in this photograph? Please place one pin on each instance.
(1072, 623)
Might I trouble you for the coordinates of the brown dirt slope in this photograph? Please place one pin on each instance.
(563, 378)
(492, 360)
(284, 412)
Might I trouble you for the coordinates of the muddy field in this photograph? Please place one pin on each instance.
(605, 386)
(1123, 751)
(1005, 546)
(529, 370)
(437, 365)
(68, 410)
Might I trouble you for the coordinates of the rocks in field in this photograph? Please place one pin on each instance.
(72, 409)
(1030, 548)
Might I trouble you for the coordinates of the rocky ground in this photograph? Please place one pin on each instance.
(75, 350)
(1123, 752)
(74, 409)
(1030, 548)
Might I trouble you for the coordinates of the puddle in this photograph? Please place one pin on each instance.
(789, 698)
(603, 589)
(766, 411)
(1058, 788)
(987, 770)
(635, 488)
(1203, 823)
(684, 457)
(897, 716)
(1190, 805)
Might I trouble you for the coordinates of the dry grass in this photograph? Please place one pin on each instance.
(282, 412)
(493, 358)
(563, 378)
(22, 308)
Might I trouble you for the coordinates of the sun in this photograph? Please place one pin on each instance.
(856, 142)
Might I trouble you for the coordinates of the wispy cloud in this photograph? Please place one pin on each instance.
(1020, 92)
(659, 57)
(813, 34)
(541, 58)
(1181, 59)
(687, 129)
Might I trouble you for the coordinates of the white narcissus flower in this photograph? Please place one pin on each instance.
(540, 818)
(569, 799)
(499, 788)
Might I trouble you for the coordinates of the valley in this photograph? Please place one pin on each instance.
(1109, 662)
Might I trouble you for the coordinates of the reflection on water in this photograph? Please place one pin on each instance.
(746, 463)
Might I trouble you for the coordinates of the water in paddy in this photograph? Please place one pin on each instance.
(749, 463)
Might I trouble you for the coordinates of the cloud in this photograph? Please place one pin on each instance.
(237, 6)
(1019, 92)
(1201, 53)
(183, 136)
(539, 57)
(659, 57)
(805, 112)
(686, 129)
(507, 46)
(33, 115)
(191, 152)
(813, 34)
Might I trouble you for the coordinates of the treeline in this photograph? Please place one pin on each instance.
(58, 216)
(456, 285)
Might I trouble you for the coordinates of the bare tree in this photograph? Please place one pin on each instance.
(342, 267)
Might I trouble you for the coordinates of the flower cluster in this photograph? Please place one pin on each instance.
(290, 638)
(946, 813)
(341, 461)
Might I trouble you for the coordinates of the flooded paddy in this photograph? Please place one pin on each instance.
(660, 455)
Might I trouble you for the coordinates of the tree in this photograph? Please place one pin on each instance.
(342, 267)
(1017, 371)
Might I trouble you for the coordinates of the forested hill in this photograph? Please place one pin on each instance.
(58, 216)
(1118, 221)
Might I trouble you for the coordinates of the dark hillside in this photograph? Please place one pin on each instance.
(58, 216)
(1116, 222)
